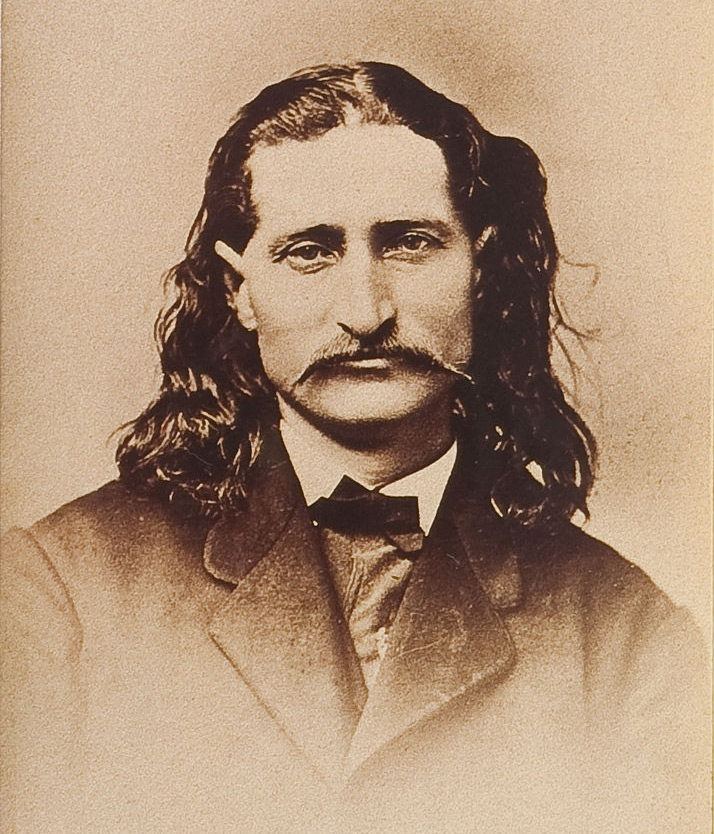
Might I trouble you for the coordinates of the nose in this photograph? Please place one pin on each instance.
(365, 306)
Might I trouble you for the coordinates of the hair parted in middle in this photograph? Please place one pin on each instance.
(197, 441)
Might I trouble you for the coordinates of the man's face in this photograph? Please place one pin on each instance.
(358, 254)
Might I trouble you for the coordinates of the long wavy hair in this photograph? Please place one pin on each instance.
(196, 444)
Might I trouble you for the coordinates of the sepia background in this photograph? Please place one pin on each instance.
(111, 111)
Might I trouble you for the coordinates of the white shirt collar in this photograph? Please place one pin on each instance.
(319, 472)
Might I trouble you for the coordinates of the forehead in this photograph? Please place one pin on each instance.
(352, 174)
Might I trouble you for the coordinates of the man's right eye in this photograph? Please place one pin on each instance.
(307, 257)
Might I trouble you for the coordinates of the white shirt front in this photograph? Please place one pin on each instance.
(319, 472)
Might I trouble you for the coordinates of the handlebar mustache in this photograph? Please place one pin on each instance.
(418, 356)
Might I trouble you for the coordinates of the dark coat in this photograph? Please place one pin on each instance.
(166, 674)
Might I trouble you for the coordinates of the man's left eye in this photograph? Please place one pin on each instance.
(412, 243)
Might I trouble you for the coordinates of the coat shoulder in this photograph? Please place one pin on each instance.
(114, 528)
(625, 620)
(573, 561)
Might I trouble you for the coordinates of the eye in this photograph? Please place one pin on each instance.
(307, 257)
(412, 246)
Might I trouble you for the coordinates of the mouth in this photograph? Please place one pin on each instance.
(369, 368)
(376, 363)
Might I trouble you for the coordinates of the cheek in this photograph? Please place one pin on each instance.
(451, 326)
(282, 356)
(281, 311)
(289, 332)
(441, 307)
(279, 299)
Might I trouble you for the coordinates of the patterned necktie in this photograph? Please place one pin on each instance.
(371, 541)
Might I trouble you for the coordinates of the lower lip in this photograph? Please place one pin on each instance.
(367, 364)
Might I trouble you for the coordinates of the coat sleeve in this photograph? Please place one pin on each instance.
(42, 709)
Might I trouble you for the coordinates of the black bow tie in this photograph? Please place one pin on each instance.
(353, 509)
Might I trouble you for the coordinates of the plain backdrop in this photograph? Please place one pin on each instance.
(111, 110)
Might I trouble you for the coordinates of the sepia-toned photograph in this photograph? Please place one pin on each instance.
(356, 418)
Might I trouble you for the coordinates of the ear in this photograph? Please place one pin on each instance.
(239, 298)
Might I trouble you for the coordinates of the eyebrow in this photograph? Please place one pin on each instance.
(330, 236)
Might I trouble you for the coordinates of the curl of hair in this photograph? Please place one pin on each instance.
(197, 442)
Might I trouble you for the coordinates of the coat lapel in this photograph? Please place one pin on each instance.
(284, 632)
(281, 628)
(447, 639)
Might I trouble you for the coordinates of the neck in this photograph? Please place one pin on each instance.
(377, 454)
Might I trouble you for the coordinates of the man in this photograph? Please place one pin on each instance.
(336, 586)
